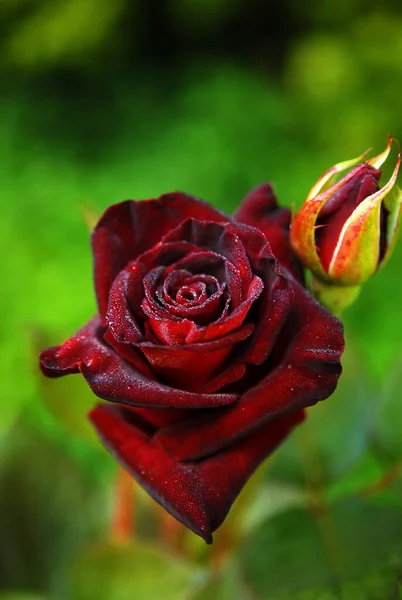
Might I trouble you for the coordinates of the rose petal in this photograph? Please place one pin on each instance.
(169, 332)
(306, 372)
(198, 494)
(112, 378)
(229, 323)
(273, 310)
(128, 229)
(158, 257)
(277, 296)
(206, 261)
(160, 417)
(182, 288)
(230, 374)
(202, 313)
(180, 365)
(120, 319)
(260, 209)
(223, 240)
(130, 353)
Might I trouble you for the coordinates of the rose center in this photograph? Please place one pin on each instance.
(186, 289)
(188, 294)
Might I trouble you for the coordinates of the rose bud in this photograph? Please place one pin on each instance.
(346, 230)
(206, 345)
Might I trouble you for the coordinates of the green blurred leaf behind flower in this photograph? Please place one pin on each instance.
(103, 102)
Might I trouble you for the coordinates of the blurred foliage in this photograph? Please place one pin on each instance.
(227, 584)
(22, 596)
(109, 571)
(343, 543)
(48, 508)
(102, 101)
(41, 33)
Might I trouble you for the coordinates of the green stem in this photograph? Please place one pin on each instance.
(336, 298)
(123, 519)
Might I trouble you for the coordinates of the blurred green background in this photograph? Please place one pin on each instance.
(105, 100)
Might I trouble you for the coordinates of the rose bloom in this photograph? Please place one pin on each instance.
(206, 345)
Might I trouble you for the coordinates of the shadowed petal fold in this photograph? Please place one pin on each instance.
(198, 494)
(128, 229)
(305, 369)
(260, 209)
(112, 378)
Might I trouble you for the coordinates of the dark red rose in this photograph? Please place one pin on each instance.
(207, 346)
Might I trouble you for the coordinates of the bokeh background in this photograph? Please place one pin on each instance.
(105, 100)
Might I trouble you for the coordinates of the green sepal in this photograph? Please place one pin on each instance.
(336, 298)
(393, 203)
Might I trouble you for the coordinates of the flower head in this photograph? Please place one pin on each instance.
(346, 230)
(206, 347)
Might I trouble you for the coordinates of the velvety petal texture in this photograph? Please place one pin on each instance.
(127, 229)
(112, 378)
(208, 346)
(198, 494)
(260, 209)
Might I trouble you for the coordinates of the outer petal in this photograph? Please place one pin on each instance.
(198, 494)
(260, 209)
(393, 205)
(120, 319)
(128, 229)
(303, 368)
(277, 296)
(112, 378)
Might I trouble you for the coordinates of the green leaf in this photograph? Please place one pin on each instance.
(298, 551)
(268, 500)
(376, 585)
(224, 585)
(363, 474)
(389, 421)
(47, 510)
(21, 596)
(123, 572)
(381, 584)
(335, 434)
(59, 28)
(375, 321)
(285, 556)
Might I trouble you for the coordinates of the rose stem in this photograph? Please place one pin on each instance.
(123, 518)
(222, 547)
(170, 529)
(384, 481)
(318, 507)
